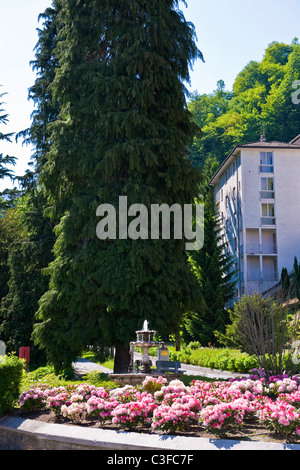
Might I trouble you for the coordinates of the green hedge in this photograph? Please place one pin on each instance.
(11, 373)
(222, 359)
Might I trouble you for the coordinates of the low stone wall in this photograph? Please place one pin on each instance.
(25, 434)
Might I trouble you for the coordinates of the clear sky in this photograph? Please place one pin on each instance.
(230, 34)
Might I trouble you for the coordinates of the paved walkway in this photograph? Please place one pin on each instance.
(83, 366)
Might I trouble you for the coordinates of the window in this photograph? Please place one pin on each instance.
(267, 188)
(268, 210)
(268, 214)
(233, 194)
(266, 162)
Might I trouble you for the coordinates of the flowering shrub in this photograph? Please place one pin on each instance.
(76, 411)
(101, 407)
(153, 384)
(281, 418)
(176, 417)
(282, 386)
(32, 400)
(133, 413)
(291, 398)
(218, 407)
(55, 402)
(222, 418)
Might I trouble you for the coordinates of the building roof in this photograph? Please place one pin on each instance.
(262, 143)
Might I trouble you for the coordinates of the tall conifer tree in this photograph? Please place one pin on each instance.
(123, 130)
(214, 269)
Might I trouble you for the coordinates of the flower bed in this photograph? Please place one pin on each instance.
(220, 408)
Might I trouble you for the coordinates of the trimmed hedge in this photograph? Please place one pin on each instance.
(213, 358)
(11, 373)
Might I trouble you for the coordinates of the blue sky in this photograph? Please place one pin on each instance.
(230, 34)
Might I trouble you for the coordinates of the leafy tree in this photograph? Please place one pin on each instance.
(123, 130)
(11, 230)
(28, 254)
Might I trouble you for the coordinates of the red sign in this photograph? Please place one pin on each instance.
(24, 353)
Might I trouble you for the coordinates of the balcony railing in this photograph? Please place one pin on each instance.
(268, 220)
(263, 276)
(266, 168)
(267, 194)
(263, 249)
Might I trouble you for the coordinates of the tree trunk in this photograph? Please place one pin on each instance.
(122, 359)
(177, 341)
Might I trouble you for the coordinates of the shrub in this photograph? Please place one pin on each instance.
(262, 327)
(11, 373)
(33, 399)
(222, 418)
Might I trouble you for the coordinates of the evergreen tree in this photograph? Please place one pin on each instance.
(123, 130)
(214, 271)
(5, 160)
(296, 278)
(5, 204)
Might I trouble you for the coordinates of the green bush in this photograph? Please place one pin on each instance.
(11, 373)
(226, 359)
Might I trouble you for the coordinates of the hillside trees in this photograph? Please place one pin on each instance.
(122, 130)
(261, 93)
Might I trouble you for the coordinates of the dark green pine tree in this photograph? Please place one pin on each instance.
(5, 203)
(5, 160)
(213, 267)
(123, 130)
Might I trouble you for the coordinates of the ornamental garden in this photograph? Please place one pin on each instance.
(221, 408)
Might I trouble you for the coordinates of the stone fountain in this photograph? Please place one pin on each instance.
(144, 340)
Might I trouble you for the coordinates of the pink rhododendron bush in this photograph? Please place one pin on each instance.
(220, 408)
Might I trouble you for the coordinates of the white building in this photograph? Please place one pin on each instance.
(257, 194)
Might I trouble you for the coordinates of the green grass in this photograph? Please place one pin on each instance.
(93, 358)
(46, 375)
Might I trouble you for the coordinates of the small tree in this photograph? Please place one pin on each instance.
(296, 278)
(263, 329)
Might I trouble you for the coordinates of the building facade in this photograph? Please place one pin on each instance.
(257, 195)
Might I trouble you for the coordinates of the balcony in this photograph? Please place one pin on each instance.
(267, 194)
(268, 221)
(263, 249)
(266, 169)
(263, 276)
